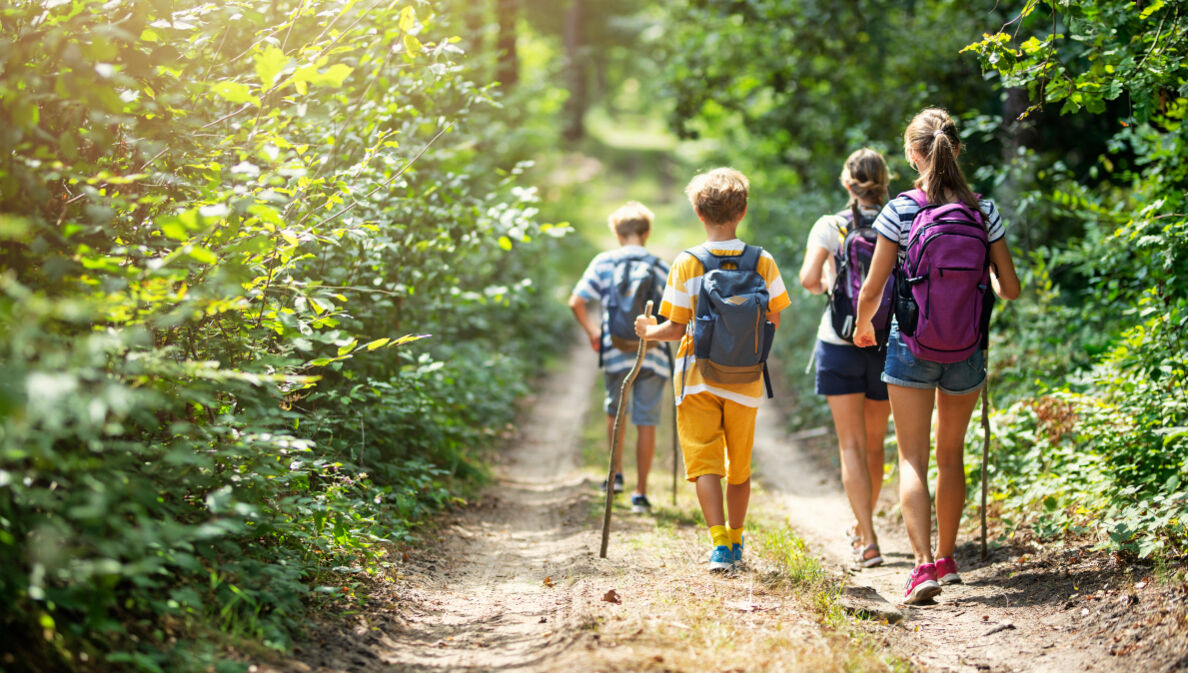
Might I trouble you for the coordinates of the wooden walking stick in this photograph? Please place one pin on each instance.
(676, 441)
(985, 454)
(614, 453)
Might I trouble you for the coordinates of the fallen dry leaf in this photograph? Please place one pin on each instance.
(612, 596)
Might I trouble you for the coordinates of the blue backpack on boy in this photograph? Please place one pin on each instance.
(731, 333)
(633, 285)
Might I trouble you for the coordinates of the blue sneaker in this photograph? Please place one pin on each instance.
(617, 484)
(737, 553)
(721, 559)
(640, 504)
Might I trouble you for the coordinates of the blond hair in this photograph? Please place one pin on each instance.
(932, 134)
(865, 176)
(631, 219)
(719, 196)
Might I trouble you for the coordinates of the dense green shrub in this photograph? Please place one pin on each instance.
(1111, 300)
(263, 296)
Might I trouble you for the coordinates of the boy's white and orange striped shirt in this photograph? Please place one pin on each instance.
(680, 306)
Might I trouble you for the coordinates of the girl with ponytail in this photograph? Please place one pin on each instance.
(848, 376)
(915, 383)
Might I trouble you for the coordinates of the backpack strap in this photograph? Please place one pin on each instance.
(709, 261)
(916, 195)
(749, 259)
(847, 217)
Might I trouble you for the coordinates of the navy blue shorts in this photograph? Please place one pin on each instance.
(846, 370)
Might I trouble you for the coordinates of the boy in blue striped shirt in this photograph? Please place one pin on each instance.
(631, 224)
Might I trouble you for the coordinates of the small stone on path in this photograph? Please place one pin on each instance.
(864, 601)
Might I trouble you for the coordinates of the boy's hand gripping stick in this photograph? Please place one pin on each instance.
(615, 436)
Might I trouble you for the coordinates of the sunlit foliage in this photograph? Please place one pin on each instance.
(263, 295)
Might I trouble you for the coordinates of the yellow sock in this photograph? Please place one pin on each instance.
(719, 536)
(735, 535)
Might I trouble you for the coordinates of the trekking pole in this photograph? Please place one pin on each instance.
(610, 473)
(676, 443)
(985, 454)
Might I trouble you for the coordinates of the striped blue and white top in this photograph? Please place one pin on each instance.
(895, 221)
(594, 286)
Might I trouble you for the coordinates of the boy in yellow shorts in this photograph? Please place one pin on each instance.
(717, 397)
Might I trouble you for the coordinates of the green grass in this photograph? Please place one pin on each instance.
(674, 538)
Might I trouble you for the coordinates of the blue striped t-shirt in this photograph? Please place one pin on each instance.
(895, 221)
(595, 285)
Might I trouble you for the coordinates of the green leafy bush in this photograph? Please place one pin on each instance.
(264, 297)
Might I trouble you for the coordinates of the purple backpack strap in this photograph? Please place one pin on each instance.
(916, 195)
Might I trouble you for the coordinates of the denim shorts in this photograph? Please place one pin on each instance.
(846, 370)
(903, 368)
(646, 394)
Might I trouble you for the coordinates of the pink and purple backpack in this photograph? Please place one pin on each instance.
(853, 264)
(943, 295)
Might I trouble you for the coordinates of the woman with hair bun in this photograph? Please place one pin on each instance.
(838, 250)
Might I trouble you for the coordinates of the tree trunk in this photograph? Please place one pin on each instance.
(508, 70)
(578, 96)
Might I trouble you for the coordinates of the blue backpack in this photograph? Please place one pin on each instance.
(633, 285)
(731, 333)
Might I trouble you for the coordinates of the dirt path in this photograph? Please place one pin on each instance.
(513, 583)
(484, 597)
(1024, 609)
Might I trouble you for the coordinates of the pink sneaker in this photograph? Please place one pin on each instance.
(946, 570)
(921, 584)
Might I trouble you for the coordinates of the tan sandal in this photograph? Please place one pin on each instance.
(862, 561)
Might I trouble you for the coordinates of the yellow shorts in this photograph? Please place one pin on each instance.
(716, 437)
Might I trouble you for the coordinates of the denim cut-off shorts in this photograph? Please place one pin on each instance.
(646, 394)
(847, 370)
(903, 368)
